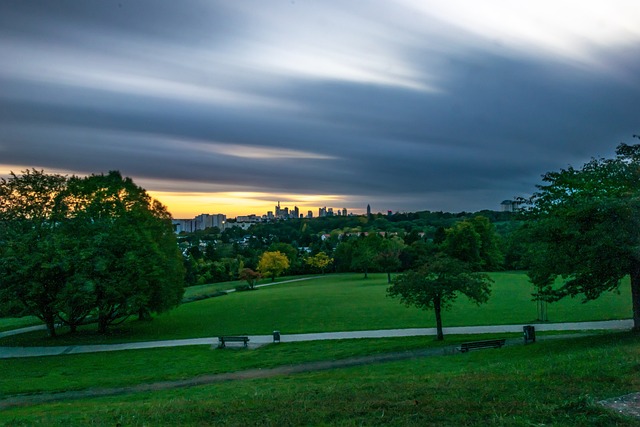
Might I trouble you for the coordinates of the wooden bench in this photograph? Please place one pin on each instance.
(222, 341)
(466, 346)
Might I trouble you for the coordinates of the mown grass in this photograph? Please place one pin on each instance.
(338, 303)
(11, 323)
(549, 383)
(122, 368)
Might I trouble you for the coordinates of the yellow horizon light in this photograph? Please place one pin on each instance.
(232, 204)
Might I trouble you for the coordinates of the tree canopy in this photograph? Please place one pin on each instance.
(320, 261)
(437, 284)
(94, 247)
(272, 264)
(584, 227)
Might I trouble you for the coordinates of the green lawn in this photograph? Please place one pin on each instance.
(339, 303)
(80, 371)
(10, 323)
(547, 383)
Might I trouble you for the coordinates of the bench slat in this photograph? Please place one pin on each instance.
(223, 340)
(464, 347)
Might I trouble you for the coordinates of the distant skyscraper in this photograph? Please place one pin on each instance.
(368, 210)
(344, 211)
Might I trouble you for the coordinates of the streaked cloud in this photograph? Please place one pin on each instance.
(404, 104)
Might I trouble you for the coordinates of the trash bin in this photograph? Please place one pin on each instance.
(529, 334)
(276, 336)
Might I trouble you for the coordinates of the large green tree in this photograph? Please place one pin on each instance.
(437, 284)
(585, 228)
(474, 241)
(134, 266)
(76, 247)
(365, 249)
(388, 256)
(32, 265)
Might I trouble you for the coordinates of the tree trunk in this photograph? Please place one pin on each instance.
(388, 277)
(103, 322)
(51, 327)
(438, 309)
(635, 295)
(144, 314)
(365, 273)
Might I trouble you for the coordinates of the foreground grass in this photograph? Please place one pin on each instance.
(549, 383)
(123, 368)
(338, 303)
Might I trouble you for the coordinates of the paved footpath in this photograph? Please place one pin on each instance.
(257, 340)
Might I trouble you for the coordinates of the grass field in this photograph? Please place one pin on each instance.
(7, 324)
(554, 382)
(339, 303)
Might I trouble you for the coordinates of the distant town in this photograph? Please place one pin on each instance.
(204, 221)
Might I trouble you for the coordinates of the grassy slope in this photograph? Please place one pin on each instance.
(81, 371)
(7, 324)
(340, 303)
(550, 383)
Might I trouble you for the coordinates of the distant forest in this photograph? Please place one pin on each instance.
(213, 256)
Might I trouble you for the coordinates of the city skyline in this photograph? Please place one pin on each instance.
(408, 105)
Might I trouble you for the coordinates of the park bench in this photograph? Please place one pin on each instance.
(222, 341)
(466, 346)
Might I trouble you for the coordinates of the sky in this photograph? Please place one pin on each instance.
(230, 106)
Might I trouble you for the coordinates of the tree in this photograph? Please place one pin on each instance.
(32, 269)
(132, 264)
(388, 257)
(491, 257)
(437, 284)
(78, 246)
(320, 261)
(474, 241)
(272, 264)
(289, 251)
(250, 276)
(364, 253)
(585, 227)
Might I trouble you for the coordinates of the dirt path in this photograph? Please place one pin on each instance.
(34, 399)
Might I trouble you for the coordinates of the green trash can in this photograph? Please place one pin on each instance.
(276, 336)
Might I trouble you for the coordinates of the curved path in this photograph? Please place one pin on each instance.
(257, 340)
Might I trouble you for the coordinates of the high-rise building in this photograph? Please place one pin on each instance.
(344, 211)
(368, 210)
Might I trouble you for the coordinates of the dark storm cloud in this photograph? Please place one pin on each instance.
(383, 105)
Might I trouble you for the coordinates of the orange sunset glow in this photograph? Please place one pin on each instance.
(232, 204)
